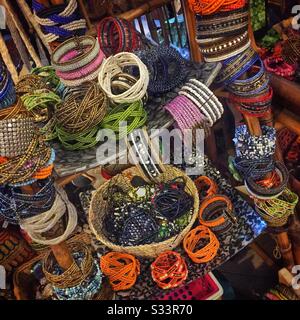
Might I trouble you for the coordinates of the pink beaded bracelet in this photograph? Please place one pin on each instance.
(83, 71)
(185, 113)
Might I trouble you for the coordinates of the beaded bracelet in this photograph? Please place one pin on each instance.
(166, 68)
(7, 92)
(169, 270)
(122, 270)
(117, 35)
(266, 192)
(83, 108)
(15, 136)
(16, 206)
(149, 162)
(37, 225)
(196, 237)
(254, 147)
(30, 83)
(75, 274)
(75, 53)
(224, 48)
(186, 114)
(216, 212)
(234, 67)
(277, 211)
(278, 66)
(256, 168)
(206, 187)
(134, 115)
(115, 65)
(208, 7)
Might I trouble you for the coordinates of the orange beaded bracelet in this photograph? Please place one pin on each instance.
(122, 269)
(169, 270)
(202, 183)
(219, 220)
(207, 7)
(192, 239)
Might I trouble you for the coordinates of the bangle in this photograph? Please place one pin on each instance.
(267, 189)
(192, 241)
(166, 66)
(185, 113)
(210, 215)
(30, 83)
(208, 7)
(113, 66)
(117, 35)
(291, 51)
(254, 147)
(122, 269)
(276, 211)
(278, 66)
(133, 114)
(206, 187)
(169, 270)
(75, 53)
(148, 159)
(36, 226)
(83, 108)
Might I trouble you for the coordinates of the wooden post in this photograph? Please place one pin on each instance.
(190, 22)
(7, 60)
(60, 251)
(85, 14)
(29, 15)
(22, 33)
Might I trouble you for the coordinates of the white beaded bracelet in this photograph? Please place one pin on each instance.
(113, 66)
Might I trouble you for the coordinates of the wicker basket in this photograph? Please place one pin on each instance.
(98, 204)
(25, 284)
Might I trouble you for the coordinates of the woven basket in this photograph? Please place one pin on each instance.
(98, 205)
(24, 282)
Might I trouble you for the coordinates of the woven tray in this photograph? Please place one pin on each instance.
(98, 204)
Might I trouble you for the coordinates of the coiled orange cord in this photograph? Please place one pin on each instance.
(206, 253)
(122, 269)
(169, 270)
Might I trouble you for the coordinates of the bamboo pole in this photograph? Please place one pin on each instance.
(85, 14)
(60, 251)
(22, 33)
(7, 60)
(289, 121)
(30, 17)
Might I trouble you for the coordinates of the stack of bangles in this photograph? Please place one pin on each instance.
(204, 99)
(196, 246)
(79, 116)
(16, 205)
(7, 89)
(208, 7)
(291, 49)
(233, 23)
(280, 67)
(77, 60)
(277, 211)
(114, 66)
(31, 83)
(206, 187)
(166, 68)
(38, 225)
(117, 35)
(221, 48)
(59, 22)
(169, 270)
(215, 212)
(270, 187)
(81, 281)
(186, 114)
